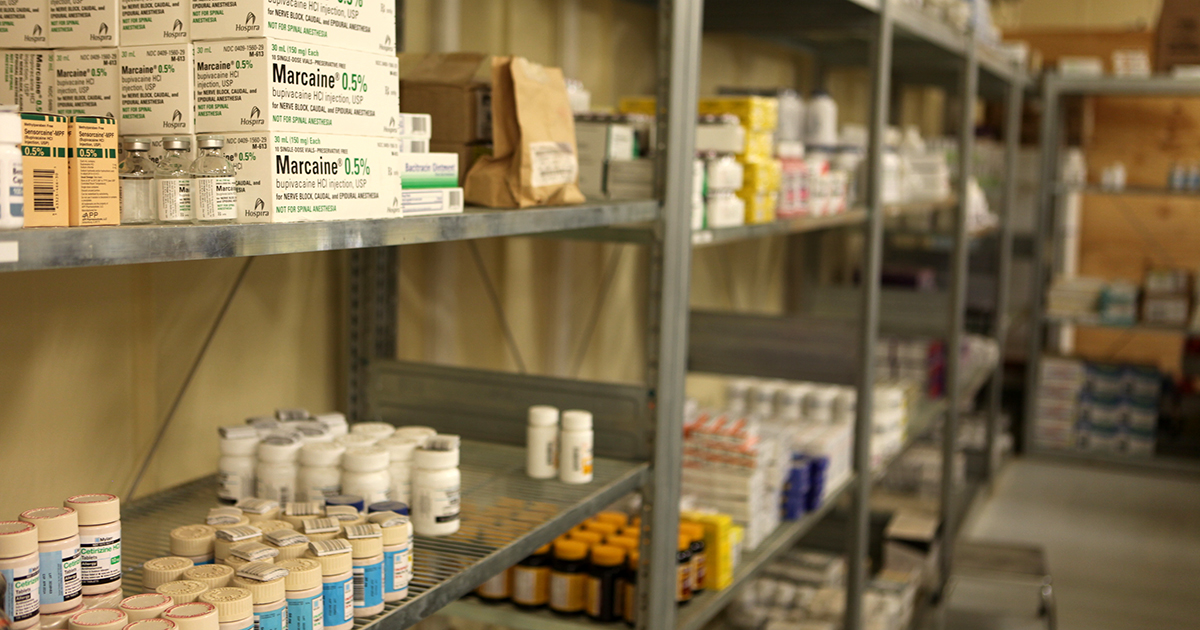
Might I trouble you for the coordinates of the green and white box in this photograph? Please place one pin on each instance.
(157, 95)
(277, 85)
(363, 25)
(87, 82)
(25, 80)
(25, 23)
(428, 170)
(432, 201)
(148, 22)
(292, 177)
(78, 24)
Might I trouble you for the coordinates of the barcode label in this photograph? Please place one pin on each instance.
(456, 199)
(360, 589)
(44, 185)
(418, 124)
(420, 146)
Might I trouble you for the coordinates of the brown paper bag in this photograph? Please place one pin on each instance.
(534, 160)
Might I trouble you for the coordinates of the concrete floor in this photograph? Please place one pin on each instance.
(1123, 547)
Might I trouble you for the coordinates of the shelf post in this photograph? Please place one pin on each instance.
(860, 511)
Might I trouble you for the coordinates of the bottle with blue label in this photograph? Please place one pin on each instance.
(60, 586)
(265, 581)
(304, 595)
(337, 581)
(397, 553)
(235, 607)
(366, 541)
(19, 573)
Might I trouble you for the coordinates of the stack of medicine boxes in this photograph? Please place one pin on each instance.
(761, 180)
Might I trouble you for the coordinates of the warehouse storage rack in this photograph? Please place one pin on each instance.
(638, 436)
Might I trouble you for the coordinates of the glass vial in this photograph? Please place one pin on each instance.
(137, 182)
(214, 197)
(173, 181)
(12, 186)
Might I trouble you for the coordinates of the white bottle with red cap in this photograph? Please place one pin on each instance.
(99, 541)
(19, 572)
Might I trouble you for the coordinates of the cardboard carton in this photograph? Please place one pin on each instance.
(455, 89)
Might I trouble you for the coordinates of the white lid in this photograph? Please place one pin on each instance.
(138, 606)
(335, 422)
(366, 459)
(303, 574)
(232, 603)
(309, 430)
(421, 433)
(440, 452)
(53, 523)
(279, 448)
(193, 540)
(224, 515)
(378, 430)
(211, 575)
(397, 529)
(238, 440)
(577, 420)
(262, 592)
(193, 616)
(271, 525)
(265, 425)
(543, 416)
(182, 591)
(99, 619)
(17, 538)
(350, 440)
(317, 454)
(95, 509)
(292, 413)
(153, 623)
(159, 571)
(10, 127)
(401, 447)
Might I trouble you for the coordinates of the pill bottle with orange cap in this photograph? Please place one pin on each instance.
(620, 519)
(19, 572)
(695, 532)
(531, 579)
(683, 574)
(604, 529)
(602, 596)
(589, 538)
(99, 541)
(568, 577)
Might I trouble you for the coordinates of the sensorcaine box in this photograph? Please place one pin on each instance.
(44, 160)
(278, 85)
(26, 80)
(24, 23)
(87, 82)
(292, 177)
(431, 201)
(157, 96)
(368, 26)
(146, 22)
(95, 190)
(79, 24)
(428, 170)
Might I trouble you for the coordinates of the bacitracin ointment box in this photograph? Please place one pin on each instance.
(26, 79)
(44, 160)
(24, 23)
(95, 189)
(286, 177)
(157, 97)
(277, 85)
(428, 170)
(83, 24)
(368, 26)
(148, 22)
(87, 82)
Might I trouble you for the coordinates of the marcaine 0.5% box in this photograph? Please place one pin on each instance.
(276, 85)
(292, 177)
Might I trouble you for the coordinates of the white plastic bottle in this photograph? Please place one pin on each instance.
(365, 473)
(275, 477)
(337, 577)
(58, 556)
(821, 129)
(99, 541)
(19, 571)
(541, 442)
(367, 543)
(401, 449)
(320, 470)
(575, 460)
(214, 196)
(12, 192)
(436, 487)
(235, 469)
(305, 596)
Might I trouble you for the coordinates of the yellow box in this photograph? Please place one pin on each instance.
(720, 542)
(44, 160)
(760, 145)
(761, 175)
(760, 205)
(646, 105)
(757, 113)
(95, 194)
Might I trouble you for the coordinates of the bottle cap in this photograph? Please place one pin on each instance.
(266, 527)
(238, 440)
(279, 448)
(351, 440)
(620, 519)
(576, 420)
(320, 454)
(401, 447)
(543, 416)
(365, 459)
(176, 143)
(685, 541)
(607, 556)
(103, 600)
(99, 619)
(182, 591)
(232, 603)
(352, 500)
(625, 542)
(135, 143)
(366, 540)
(284, 414)
(253, 551)
(145, 606)
(694, 530)
(159, 571)
(53, 523)
(419, 433)
(193, 540)
(589, 538)
(604, 529)
(95, 509)
(387, 506)
(151, 623)
(262, 592)
(211, 575)
(17, 538)
(193, 616)
(336, 564)
(378, 430)
(212, 141)
(396, 528)
(303, 574)
(570, 550)
(265, 425)
(441, 451)
(11, 129)
(310, 431)
(225, 516)
(335, 422)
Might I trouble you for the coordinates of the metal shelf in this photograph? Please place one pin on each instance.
(1135, 190)
(506, 516)
(1122, 86)
(925, 416)
(1141, 327)
(52, 248)
(701, 238)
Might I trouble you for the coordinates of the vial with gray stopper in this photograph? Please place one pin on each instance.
(214, 197)
(137, 182)
(173, 181)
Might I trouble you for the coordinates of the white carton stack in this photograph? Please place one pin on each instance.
(429, 181)
(1060, 386)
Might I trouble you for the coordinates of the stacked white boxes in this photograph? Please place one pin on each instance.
(429, 181)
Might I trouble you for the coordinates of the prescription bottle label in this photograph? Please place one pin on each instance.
(214, 198)
(496, 587)
(683, 582)
(306, 613)
(60, 581)
(629, 602)
(441, 503)
(229, 485)
(395, 570)
(175, 204)
(21, 600)
(567, 591)
(101, 558)
(271, 620)
(368, 585)
(531, 585)
(699, 571)
(593, 597)
(339, 602)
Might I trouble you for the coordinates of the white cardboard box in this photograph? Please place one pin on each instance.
(148, 22)
(428, 171)
(367, 27)
(432, 201)
(74, 24)
(25, 23)
(87, 82)
(293, 177)
(411, 144)
(25, 80)
(415, 126)
(157, 95)
(276, 85)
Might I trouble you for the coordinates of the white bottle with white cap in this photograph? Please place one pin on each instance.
(437, 484)
(541, 442)
(320, 470)
(377, 430)
(99, 541)
(335, 422)
(401, 448)
(365, 473)
(235, 469)
(19, 571)
(576, 441)
(12, 201)
(275, 476)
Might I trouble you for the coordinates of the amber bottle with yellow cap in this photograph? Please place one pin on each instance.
(683, 581)
(620, 519)
(602, 594)
(568, 577)
(589, 538)
(531, 579)
(624, 542)
(629, 600)
(695, 531)
(602, 528)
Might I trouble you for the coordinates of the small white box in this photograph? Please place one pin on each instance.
(25, 80)
(414, 125)
(25, 23)
(420, 171)
(720, 137)
(293, 177)
(149, 22)
(410, 144)
(74, 24)
(157, 95)
(432, 201)
(277, 85)
(87, 82)
(367, 27)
